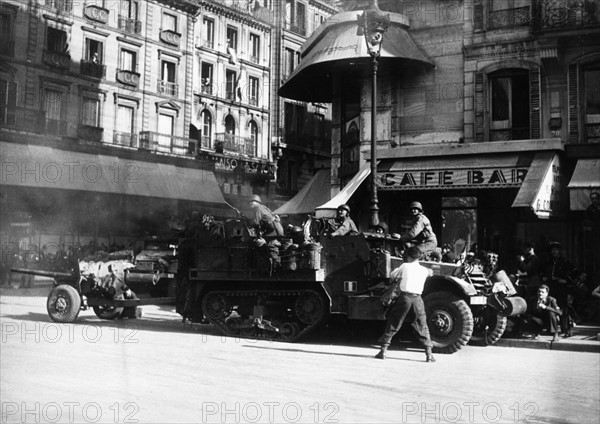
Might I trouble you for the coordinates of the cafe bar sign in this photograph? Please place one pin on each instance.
(452, 178)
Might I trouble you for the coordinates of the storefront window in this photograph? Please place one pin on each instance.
(459, 223)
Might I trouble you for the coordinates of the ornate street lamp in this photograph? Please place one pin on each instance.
(372, 24)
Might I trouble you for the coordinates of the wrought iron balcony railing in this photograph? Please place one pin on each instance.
(92, 69)
(235, 144)
(562, 15)
(89, 132)
(509, 18)
(23, 119)
(133, 26)
(125, 139)
(592, 133)
(61, 6)
(165, 143)
(168, 88)
(55, 127)
(57, 59)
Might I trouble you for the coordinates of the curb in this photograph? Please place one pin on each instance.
(562, 345)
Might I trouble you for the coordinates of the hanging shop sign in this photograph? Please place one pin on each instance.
(550, 200)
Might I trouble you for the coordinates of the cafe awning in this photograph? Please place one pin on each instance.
(328, 210)
(314, 193)
(42, 167)
(585, 180)
(337, 45)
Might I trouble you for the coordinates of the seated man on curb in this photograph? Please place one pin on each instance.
(543, 312)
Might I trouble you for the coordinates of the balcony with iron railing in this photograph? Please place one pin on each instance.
(125, 139)
(168, 88)
(298, 29)
(592, 133)
(564, 15)
(55, 127)
(56, 59)
(507, 134)
(62, 7)
(90, 133)
(166, 143)
(209, 44)
(92, 69)
(170, 37)
(232, 143)
(132, 26)
(254, 59)
(509, 18)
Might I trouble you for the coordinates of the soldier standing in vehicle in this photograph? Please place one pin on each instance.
(420, 233)
(344, 222)
(263, 219)
(410, 278)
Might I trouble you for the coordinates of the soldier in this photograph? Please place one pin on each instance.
(344, 222)
(263, 219)
(557, 274)
(420, 234)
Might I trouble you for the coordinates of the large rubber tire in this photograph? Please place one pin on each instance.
(109, 312)
(488, 328)
(63, 304)
(450, 321)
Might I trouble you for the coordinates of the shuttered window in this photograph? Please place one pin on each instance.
(8, 102)
(90, 112)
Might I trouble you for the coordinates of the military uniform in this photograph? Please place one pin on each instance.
(421, 234)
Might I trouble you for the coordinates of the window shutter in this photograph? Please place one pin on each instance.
(535, 118)
(479, 107)
(573, 86)
(478, 15)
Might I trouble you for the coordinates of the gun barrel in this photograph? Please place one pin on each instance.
(43, 273)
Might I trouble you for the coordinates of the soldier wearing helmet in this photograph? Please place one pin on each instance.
(420, 233)
(264, 220)
(344, 222)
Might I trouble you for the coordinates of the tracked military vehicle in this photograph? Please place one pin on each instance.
(283, 289)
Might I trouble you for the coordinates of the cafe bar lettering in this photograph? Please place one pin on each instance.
(452, 178)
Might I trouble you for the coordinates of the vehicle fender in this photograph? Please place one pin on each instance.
(449, 283)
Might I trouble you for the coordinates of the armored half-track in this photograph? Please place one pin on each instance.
(284, 288)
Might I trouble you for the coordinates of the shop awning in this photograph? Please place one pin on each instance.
(337, 44)
(585, 180)
(314, 193)
(50, 168)
(328, 210)
(444, 173)
(543, 189)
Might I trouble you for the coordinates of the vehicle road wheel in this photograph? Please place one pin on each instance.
(450, 321)
(109, 312)
(63, 304)
(489, 327)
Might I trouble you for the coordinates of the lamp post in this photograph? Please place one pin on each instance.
(372, 24)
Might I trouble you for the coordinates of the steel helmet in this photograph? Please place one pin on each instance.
(416, 205)
(255, 198)
(345, 207)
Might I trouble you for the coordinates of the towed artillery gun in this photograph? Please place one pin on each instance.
(284, 289)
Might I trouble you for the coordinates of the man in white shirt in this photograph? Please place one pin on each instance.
(410, 278)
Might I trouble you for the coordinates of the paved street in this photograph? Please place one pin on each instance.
(156, 370)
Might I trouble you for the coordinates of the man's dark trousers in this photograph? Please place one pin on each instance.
(397, 313)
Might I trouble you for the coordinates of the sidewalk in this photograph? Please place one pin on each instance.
(585, 338)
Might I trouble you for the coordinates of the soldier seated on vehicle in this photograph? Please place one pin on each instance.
(420, 233)
(343, 222)
(265, 221)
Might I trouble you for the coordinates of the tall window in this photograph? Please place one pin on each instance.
(169, 22)
(509, 105)
(206, 128)
(94, 51)
(6, 33)
(8, 102)
(53, 111)
(125, 126)
(209, 33)
(232, 38)
(591, 80)
(254, 48)
(206, 78)
(56, 40)
(230, 84)
(168, 75)
(290, 61)
(128, 60)
(90, 112)
(295, 16)
(166, 125)
(128, 9)
(229, 125)
(253, 90)
(253, 137)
